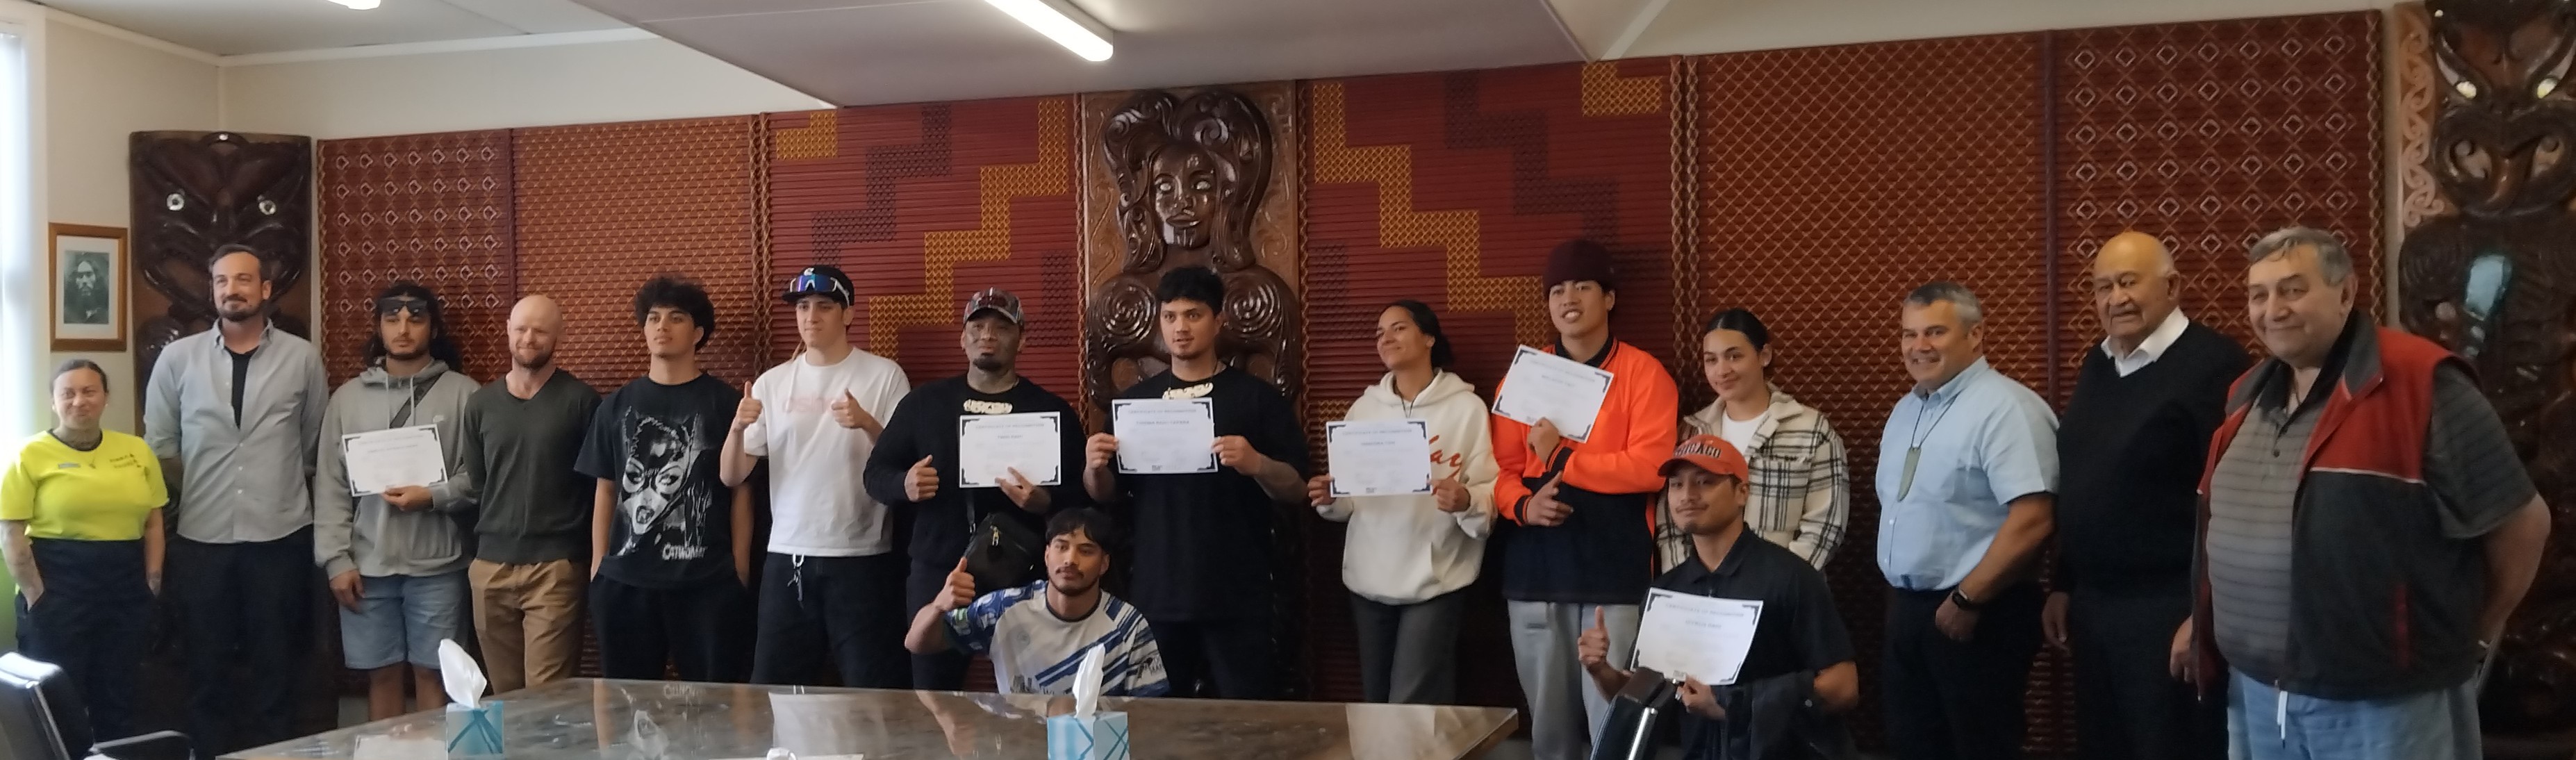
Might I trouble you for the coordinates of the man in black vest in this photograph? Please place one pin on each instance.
(2148, 399)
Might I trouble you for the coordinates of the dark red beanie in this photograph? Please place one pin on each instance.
(1578, 260)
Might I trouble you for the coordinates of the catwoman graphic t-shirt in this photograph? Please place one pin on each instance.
(659, 446)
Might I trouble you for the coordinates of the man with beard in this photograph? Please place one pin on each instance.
(520, 438)
(670, 543)
(1037, 634)
(832, 578)
(396, 557)
(233, 413)
(85, 302)
(1203, 549)
(915, 464)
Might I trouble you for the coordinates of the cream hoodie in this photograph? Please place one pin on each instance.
(1403, 549)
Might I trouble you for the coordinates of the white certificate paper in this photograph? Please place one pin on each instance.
(1542, 385)
(1165, 436)
(393, 457)
(1379, 457)
(990, 445)
(1701, 637)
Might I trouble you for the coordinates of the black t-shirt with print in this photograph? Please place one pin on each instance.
(661, 445)
(1202, 540)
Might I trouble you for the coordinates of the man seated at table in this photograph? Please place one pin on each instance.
(1046, 626)
(1799, 669)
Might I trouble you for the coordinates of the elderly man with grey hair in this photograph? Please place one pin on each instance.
(2367, 528)
(1966, 472)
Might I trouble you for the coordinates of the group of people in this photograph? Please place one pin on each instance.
(2364, 453)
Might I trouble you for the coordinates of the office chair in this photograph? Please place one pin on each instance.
(35, 704)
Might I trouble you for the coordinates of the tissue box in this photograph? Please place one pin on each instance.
(474, 733)
(1103, 736)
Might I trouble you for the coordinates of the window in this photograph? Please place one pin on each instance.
(22, 295)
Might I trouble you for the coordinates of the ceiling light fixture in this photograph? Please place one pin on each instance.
(1059, 20)
(360, 5)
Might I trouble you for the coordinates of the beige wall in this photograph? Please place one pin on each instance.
(97, 90)
(489, 89)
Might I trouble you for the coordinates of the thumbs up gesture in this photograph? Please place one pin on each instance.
(960, 591)
(747, 412)
(1594, 646)
(922, 482)
(847, 411)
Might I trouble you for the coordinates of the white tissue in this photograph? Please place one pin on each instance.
(464, 678)
(1086, 683)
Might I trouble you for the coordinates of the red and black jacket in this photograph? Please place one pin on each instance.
(2376, 602)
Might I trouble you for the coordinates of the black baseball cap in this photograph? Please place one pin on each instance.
(820, 279)
(994, 300)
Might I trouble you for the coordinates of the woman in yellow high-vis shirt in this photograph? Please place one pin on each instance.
(81, 507)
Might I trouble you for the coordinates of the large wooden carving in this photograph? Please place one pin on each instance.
(1195, 182)
(2495, 280)
(193, 192)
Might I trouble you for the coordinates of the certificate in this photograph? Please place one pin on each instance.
(1701, 637)
(990, 445)
(393, 457)
(1379, 457)
(1165, 436)
(1546, 386)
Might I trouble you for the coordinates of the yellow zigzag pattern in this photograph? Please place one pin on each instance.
(1399, 226)
(942, 251)
(819, 138)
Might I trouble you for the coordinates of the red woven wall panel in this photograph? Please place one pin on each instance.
(922, 205)
(602, 208)
(1836, 179)
(435, 209)
(1451, 189)
(2208, 136)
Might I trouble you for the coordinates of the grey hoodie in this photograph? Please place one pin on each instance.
(364, 533)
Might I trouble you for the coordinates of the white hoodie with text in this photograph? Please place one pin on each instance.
(1403, 549)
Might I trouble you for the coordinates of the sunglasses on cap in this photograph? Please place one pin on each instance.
(812, 282)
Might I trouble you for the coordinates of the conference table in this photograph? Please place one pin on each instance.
(593, 719)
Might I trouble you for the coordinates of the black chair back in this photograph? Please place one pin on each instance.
(40, 714)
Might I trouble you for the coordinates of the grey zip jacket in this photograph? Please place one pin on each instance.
(364, 533)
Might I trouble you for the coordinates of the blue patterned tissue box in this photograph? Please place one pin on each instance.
(1103, 736)
(474, 733)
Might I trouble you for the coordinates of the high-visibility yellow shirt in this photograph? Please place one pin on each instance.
(103, 494)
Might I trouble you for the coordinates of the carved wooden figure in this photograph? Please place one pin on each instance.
(2496, 282)
(193, 192)
(1191, 174)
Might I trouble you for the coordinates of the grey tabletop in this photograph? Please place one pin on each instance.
(592, 719)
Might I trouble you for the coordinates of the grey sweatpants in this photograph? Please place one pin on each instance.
(1552, 677)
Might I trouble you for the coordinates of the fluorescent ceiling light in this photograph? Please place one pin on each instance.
(1059, 20)
(360, 5)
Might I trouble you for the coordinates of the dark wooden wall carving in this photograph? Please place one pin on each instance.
(2495, 280)
(193, 192)
(1193, 176)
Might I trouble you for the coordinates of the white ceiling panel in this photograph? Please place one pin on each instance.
(853, 52)
(239, 27)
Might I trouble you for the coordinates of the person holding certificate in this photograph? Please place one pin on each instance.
(386, 537)
(1797, 669)
(1203, 535)
(1408, 557)
(916, 463)
(832, 578)
(1583, 545)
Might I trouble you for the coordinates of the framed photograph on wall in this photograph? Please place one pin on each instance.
(89, 287)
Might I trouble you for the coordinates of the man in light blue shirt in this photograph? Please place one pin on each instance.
(1966, 468)
(233, 412)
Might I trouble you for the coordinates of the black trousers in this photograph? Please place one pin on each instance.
(1959, 700)
(945, 671)
(92, 622)
(247, 605)
(846, 607)
(702, 632)
(1223, 659)
(1409, 652)
(2128, 705)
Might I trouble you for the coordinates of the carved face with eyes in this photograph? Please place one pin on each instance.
(1186, 194)
(2506, 141)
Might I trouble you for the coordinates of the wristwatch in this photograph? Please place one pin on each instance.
(1960, 598)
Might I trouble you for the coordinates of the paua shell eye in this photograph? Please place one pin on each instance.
(2467, 89)
(267, 206)
(174, 202)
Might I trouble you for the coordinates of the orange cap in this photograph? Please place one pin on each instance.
(1709, 453)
